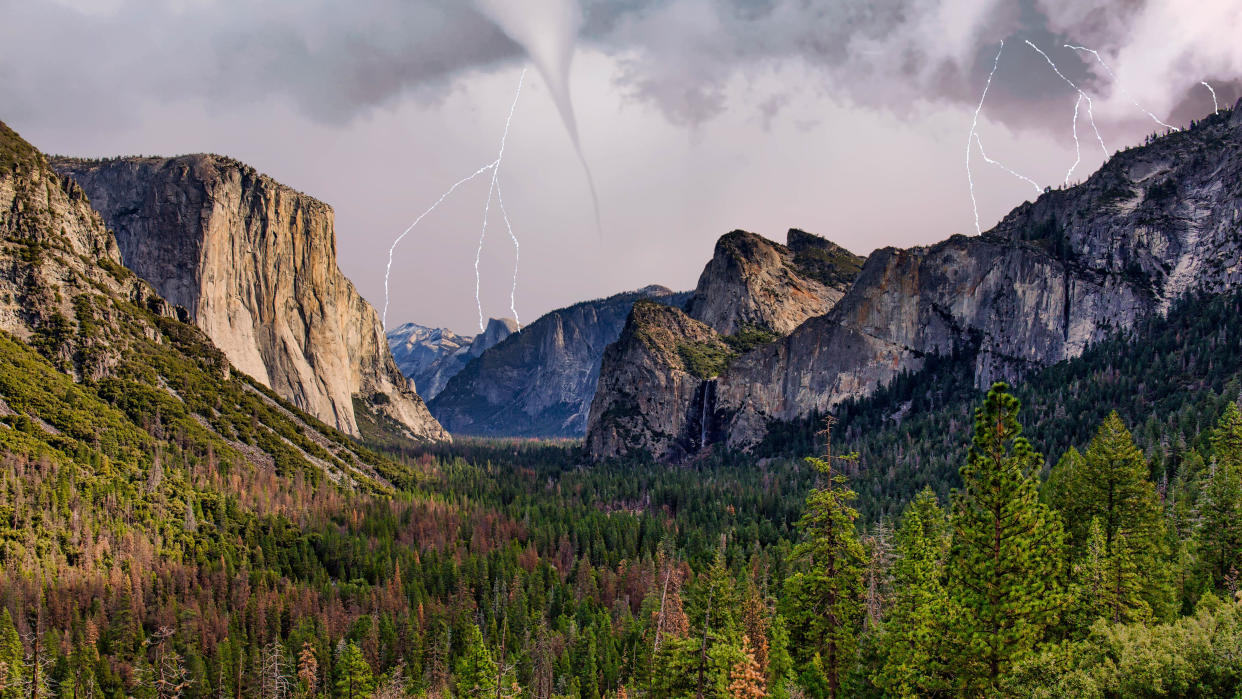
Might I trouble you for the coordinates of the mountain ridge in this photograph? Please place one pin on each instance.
(1052, 277)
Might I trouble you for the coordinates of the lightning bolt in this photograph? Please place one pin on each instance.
(1006, 168)
(1077, 147)
(395, 243)
(500, 156)
(1081, 94)
(494, 168)
(1113, 76)
(517, 249)
(1215, 104)
(971, 138)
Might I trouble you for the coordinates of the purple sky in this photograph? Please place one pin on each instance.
(846, 119)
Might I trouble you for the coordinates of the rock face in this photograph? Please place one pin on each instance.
(539, 382)
(667, 416)
(431, 356)
(54, 247)
(1054, 276)
(752, 282)
(254, 262)
(753, 291)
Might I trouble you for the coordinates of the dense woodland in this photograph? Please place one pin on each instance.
(933, 551)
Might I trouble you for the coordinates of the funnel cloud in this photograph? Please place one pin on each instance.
(547, 30)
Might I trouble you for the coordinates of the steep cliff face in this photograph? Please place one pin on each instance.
(540, 381)
(1054, 276)
(668, 417)
(254, 262)
(752, 282)
(94, 361)
(431, 356)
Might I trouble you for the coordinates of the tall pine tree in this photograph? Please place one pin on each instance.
(912, 643)
(825, 595)
(1111, 484)
(1006, 554)
(1220, 509)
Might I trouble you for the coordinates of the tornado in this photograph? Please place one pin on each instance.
(547, 30)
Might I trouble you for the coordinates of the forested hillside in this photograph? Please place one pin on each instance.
(170, 528)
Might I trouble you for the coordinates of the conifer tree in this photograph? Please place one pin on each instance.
(1111, 483)
(1220, 533)
(746, 679)
(911, 645)
(12, 657)
(826, 595)
(353, 674)
(476, 669)
(1005, 558)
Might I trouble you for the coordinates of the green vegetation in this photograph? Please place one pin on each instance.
(823, 261)
(705, 359)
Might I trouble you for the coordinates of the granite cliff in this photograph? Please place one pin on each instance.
(94, 363)
(1052, 277)
(254, 264)
(658, 381)
(539, 382)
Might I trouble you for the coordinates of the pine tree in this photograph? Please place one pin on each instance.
(1220, 533)
(475, 670)
(308, 669)
(12, 658)
(353, 674)
(746, 679)
(1112, 484)
(1005, 558)
(911, 644)
(826, 595)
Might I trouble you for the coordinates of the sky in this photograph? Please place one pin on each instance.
(848, 119)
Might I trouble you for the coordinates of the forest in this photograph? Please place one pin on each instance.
(924, 546)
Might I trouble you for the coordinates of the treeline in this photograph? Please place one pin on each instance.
(512, 578)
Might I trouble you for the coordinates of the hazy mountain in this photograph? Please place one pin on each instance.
(540, 381)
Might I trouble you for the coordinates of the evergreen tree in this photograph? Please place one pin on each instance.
(912, 642)
(12, 658)
(1111, 484)
(825, 596)
(1220, 533)
(353, 674)
(475, 670)
(1005, 558)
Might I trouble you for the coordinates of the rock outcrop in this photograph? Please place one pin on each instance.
(539, 382)
(254, 262)
(669, 416)
(1052, 277)
(431, 356)
(752, 282)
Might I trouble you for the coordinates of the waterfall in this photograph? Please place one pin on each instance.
(706, 414)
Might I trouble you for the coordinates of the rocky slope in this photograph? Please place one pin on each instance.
(94, 364)
(1051, 278)
(752, 282)
(254, 263)
(540, 381)
(431, 356)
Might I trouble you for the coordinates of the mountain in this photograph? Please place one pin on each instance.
(655, 390)
(102, 379)
(254, 264)
(431, 356)
(1056, 275)
(539, 382)
(752, 282)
